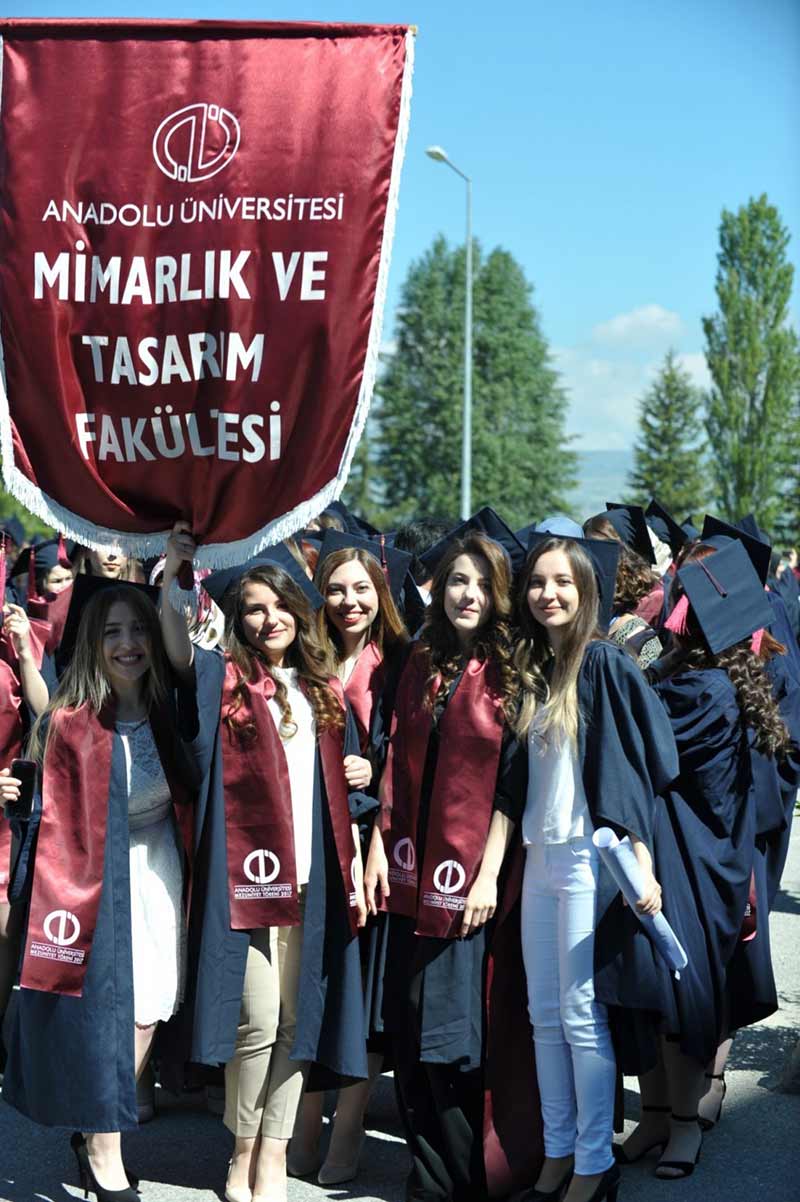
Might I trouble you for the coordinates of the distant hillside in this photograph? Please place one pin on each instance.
(602, 476)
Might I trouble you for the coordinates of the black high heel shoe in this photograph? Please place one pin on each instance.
(87, 1179)
(707, 1124)
(683, 1168)
(608, 1185)
(622, 1157)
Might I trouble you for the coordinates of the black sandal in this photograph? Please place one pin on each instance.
(622, 1157)
(684, 1168)
(705, 1123)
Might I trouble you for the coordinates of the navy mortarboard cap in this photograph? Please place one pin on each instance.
(726, 595)
(558, 524)
(604, 555)
(749, 525)
(487, 522)
(218, 583)
(759, 552)
(352, 523)
(665, 527)
(46, 555)
(631, 526)
(690, 530)
(395, 564)
(82, 592)
(12, 527)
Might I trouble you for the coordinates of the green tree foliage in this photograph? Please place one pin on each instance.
(669, 455)
(754, 362)
(9, 507)
(521, 463)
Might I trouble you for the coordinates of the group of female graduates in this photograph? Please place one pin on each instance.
(326, 847)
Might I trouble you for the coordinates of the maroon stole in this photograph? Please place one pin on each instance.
(11, 726)
(55, 612)
(462, 799)
(363, 690)
(262, 872)
(68, 872)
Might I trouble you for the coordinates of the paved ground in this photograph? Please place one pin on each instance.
(753, 1156)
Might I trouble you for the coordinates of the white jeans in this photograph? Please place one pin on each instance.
(575, 1064)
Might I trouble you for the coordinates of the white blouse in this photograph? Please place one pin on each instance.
(555, 809)
(300, 751)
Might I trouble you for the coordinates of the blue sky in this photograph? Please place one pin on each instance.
(603, 138)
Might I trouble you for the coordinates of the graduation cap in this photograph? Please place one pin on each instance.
(758, 551)
(82, 592)
(726, 595)
(749, 525)
(218, 583)
(45, 555)
(631, 526)
(665, 527)
(352, 524)
(558, 524)
(690, 530)
(604, 555)
(12, 528)
(487, 522)
(395, 564)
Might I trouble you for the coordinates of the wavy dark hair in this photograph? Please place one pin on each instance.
(533, 651)
(744, 668)
(306, 654)
(635, 577)
(492, 640)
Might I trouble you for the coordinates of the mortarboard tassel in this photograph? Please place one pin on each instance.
(3, 570)
(678, 620)
(384, 560)
(63, 558)
(757, 640)
(32, 590)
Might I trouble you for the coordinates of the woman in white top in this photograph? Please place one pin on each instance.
(568, 675)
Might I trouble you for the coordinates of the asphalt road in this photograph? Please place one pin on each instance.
(752, 1156)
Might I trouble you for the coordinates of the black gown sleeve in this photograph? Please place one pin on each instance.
(512, 778)
(362, 804)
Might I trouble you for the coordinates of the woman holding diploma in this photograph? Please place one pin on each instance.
(600, 750)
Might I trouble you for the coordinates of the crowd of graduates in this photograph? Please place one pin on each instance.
(336, 812)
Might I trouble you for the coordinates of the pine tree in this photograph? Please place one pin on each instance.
(754, 360)
(521, 463)
(669, 456)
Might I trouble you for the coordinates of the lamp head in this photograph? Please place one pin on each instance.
(436, 152)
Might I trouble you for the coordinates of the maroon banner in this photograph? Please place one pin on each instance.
(195, 229)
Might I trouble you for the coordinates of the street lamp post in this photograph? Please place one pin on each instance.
(440, 156)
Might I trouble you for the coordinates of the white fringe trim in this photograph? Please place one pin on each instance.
(227, 555)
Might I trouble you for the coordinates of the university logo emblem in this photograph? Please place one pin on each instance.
(61, 928)
(261, 867)
(404, 855)
(186, 145)
(449, 876)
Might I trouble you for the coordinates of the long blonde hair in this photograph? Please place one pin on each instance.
(85, 681)
(557, 700)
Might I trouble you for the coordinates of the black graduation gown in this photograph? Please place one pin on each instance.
(330, 1031)
(705, 853)
(776, 797)
(71, 1060)
(781, 629)
(433, 1008)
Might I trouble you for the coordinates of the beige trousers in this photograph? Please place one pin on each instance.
(263, 1087)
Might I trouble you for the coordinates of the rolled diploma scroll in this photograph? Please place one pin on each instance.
(620, 860)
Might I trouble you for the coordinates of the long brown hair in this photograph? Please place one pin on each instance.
(744, 668)
(558, 699)
(492, 639)
(305, 654)
(388, 630)
(635, 577)
(84, 681)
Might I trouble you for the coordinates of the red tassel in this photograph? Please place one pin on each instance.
(756, 641)
(678, 620)
(33, 592)
(3, 570)
(63, 558)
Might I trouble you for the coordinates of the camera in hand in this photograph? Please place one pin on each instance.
(25, 772)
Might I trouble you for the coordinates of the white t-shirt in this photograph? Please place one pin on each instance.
(300, 751)
(555, 809)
